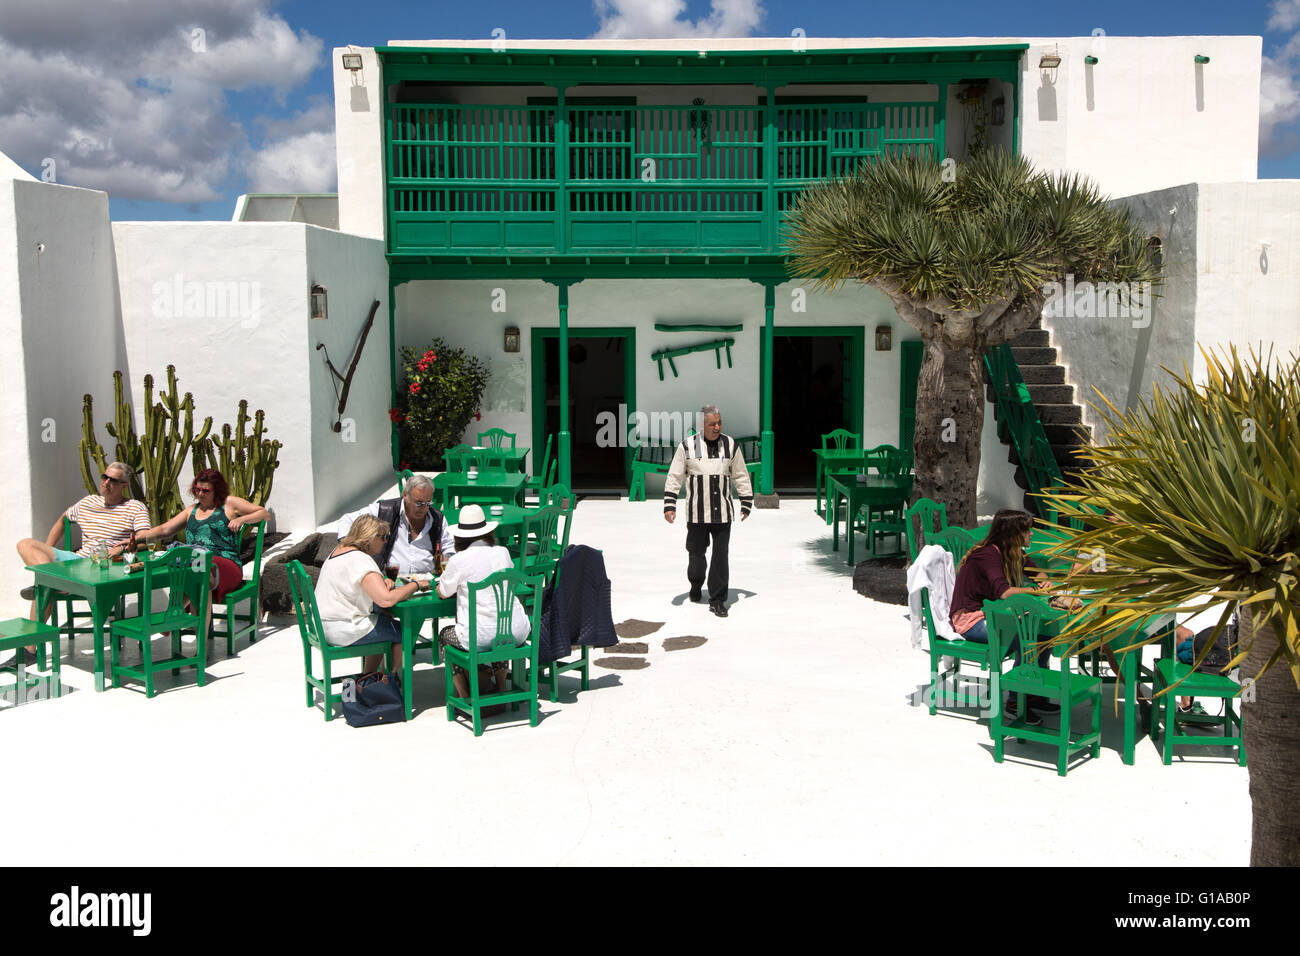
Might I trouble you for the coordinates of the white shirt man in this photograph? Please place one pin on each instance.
(413, 542)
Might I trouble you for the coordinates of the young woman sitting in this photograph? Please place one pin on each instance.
(477, 556)
(211, 523)
(350, 588)
(990, 572)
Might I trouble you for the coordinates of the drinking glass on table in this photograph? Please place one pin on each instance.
(392, 569)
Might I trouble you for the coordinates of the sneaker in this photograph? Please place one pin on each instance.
(1044, 706)
(28, 593)
(1011, 713)
(718, 608)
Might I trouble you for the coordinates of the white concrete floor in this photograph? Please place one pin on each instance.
(789, 737)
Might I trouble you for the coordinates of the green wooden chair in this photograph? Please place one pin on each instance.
(18, 633)
(227, 622)
(187, 572)
(498, 439)
(646, 460)
(539, 549)
(840, 439)
(1165, 718)
(559, 495)
(76, 613)
(751, 446)
(454, 457)
(402, 477)
(313, 635)
(956, 541)
(931, 515)
(545, 474)
(1021, 615)
(505, 585)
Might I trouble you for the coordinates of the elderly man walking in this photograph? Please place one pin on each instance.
(709, 463)
(416, 529)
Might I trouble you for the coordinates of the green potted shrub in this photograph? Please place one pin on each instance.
(439, 394)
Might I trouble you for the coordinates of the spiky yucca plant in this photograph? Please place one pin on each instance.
(966, 254)
(1202, 490)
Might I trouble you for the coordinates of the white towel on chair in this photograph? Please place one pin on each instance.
(932, 569)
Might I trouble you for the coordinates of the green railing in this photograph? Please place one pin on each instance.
(618, 180)
(1019, 423)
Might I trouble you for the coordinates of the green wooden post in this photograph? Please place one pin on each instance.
(566, 477)
(941, 125)
(769, 161)
(1015, 118)
(769, 330)
(562, 187)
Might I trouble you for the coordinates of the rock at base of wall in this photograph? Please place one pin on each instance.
(312, 552)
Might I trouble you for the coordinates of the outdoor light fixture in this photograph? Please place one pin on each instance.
(319, 308)
(1202, 59)
(884, 337)
(512, 339)
(1090, 60)
(1049, 61)
(352, 61)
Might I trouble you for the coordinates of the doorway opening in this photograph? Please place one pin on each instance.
(601, 378)
(817, 388)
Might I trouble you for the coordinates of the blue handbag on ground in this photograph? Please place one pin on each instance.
(374, 699)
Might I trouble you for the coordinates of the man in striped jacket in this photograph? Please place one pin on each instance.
(709, 463)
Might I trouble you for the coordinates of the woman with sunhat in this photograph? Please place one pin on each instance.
(477, 556)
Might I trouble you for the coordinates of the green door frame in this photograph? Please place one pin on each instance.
(538, 390)
(857, 336)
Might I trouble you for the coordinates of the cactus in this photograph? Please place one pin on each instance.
(248, 461)
(157, 459)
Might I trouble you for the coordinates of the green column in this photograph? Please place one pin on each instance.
(769, 336)
(941, 124)
(562, 454)
(394, 439)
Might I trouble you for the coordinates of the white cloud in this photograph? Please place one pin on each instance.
(131, 97)
(653, 19)
(297, 154)
(1284, 15)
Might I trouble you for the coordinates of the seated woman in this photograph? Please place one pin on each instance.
(477, 556)
(349, 589)
(985, 574)
(210, 523)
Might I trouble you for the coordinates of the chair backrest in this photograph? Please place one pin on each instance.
(187, 572)
(505, 585)
(751, 446)
(546, 461)
(304, 605)
(956, 541)
(497, 438)
(68, 525)
(543, 525)
(257, 548)
(402, 477)
(1018, 616)
(561, 497)
(841, 439)
(925, 511)
(454, 457)
(486, 459)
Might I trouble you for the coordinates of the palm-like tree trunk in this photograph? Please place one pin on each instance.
(949, 422)
(1271, 727)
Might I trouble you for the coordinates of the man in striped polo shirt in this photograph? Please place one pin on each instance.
(709, 463)
(108, 516)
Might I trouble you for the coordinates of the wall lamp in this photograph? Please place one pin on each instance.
(319, 307)
(512, 339)
(1090, 60)
(1202, 59)
(352, 61)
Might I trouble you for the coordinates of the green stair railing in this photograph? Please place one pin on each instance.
(1018, 422)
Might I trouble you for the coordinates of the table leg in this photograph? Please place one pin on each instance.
(835, 523)
(408, 661)
(1129, 670)
(97, 610)
(848, 524)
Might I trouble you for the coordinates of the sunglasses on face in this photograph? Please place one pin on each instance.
(203, 491)
(116, 481)
(416, 503)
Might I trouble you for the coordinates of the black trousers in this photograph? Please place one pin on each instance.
(697, 541)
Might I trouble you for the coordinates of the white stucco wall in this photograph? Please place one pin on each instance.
(359, 143)
(265, 353)
(58, 318)
(349, 467)
(1247, 294)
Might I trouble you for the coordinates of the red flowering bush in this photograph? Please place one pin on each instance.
(444, 387)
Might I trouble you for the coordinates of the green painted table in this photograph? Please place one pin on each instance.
(505, 487)
(881, 491)
(1130, 666)
(411, 614)
(830, 459)
(102, 587)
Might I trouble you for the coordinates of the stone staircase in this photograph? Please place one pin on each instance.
(1054, 400)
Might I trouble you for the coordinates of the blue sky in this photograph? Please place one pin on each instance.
(126, 96)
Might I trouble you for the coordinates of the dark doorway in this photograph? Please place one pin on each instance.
(598, 385)
(816, 388)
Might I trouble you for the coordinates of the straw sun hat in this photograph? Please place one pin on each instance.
(472, 523)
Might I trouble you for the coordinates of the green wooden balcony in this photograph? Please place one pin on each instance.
(607, 181)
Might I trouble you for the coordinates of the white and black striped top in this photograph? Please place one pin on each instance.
(709, 475)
